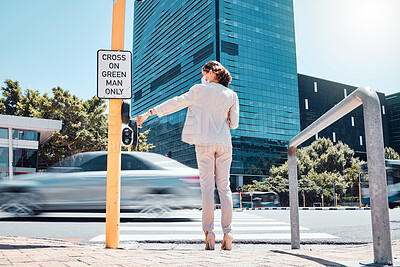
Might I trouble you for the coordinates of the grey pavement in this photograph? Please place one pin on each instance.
(22, 251)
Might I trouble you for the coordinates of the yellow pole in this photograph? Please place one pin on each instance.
(304, 201)
(240, 199)
(359, 193)
(336, 200)
(322, 200)
(114, 139)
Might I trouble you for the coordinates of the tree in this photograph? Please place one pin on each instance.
(84, 126)
(277, 184)
(30, 104)
(84, 122)
(322, 165)
(142, 144)
(12, 95)
(390, 153)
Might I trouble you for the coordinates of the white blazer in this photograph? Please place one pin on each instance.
(213, 110)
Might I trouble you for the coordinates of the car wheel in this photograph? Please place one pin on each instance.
(21, 203)
(156, 204)
(392, 205)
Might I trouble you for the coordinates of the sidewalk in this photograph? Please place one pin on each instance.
(21, 251)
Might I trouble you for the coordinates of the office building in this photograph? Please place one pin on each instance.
(19, 143)
(254, 40)
(317, 96)
(393, 119)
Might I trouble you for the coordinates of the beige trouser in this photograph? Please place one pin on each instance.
(215, 160)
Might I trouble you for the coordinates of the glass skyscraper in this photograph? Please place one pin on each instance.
(254, 40)
(393, 111)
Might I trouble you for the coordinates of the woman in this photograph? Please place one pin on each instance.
(213, 110)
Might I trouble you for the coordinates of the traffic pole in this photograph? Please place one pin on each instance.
(322, 197)
(114, 138)
(359, 192)
(335, 199)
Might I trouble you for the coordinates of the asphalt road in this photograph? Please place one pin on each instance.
(250, 227)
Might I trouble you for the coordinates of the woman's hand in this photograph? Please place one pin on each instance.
(141, 118)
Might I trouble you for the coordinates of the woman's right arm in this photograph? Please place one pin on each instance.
(233, 114)
(175, 104)
(170, 106)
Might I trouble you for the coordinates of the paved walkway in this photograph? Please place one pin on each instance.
(21, 251)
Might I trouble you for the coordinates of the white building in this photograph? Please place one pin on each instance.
(19, 143)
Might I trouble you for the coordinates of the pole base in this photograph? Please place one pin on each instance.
(390, 264)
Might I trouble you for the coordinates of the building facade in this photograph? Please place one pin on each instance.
(254, 40)
(19, 143)
(317, 96)
(393, 118)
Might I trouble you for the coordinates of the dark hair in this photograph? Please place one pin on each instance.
(223, 75)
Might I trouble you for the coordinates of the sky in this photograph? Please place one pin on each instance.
(49, 43)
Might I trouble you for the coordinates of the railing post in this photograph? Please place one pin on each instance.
(377, 177)
(376, 168)
(293, 199)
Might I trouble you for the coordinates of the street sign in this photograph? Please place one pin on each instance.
(114, 72)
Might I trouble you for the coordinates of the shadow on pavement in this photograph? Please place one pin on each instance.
(3, 247)
(317, 260)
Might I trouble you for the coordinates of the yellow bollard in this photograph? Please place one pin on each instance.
(322, 197)
(359, 192)
(114, 139)
(336, 200)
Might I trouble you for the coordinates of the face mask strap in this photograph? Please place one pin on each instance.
(204, 80)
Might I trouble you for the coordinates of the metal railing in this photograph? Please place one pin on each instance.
(376, 168)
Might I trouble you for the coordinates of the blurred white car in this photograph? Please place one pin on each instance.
(150, 183)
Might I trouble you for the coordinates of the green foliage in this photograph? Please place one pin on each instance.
(390, 153)
(11, 96)
(142, 143)
(271, 184)
(84, 127)
(322, 165)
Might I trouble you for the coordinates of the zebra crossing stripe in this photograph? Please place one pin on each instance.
(198, 228)
(183, 224)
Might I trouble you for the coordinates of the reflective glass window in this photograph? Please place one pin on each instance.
(26, 158)
(3, 162)
(25, 135)
(3, 133)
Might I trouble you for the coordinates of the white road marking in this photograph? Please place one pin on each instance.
(245, 227)
(198, 228)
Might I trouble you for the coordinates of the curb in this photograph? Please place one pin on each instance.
(306, 208)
